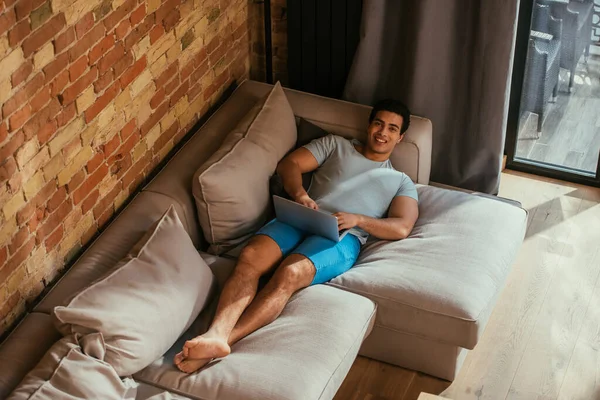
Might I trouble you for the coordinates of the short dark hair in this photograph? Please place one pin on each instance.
(395, 106)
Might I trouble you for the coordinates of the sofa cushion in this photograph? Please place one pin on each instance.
(110, 247)
(307, 132)
(147, 301)
(441, 282)
(175, 180)
(66, 372)
(304, 354)
(23, 348)
(232, 188)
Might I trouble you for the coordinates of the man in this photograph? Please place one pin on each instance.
(356, 180)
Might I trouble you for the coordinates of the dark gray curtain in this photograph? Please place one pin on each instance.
(450, 61)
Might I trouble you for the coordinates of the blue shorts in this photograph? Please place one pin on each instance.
(329, 258)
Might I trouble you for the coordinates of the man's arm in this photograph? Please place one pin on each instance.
(400, 221)
(291, 169)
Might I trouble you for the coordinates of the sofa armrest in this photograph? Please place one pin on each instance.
(489, 196)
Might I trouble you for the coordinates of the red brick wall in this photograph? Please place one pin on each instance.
(94, 94)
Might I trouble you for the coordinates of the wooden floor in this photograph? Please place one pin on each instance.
(373, 380)
(571, 131)
(543, 338)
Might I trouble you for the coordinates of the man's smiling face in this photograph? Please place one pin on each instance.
(383, 133)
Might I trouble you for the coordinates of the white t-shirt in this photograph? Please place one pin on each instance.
(347, 181)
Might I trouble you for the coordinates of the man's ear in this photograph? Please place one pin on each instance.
(401, 137)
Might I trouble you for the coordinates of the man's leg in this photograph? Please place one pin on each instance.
(316, 260)
(294, 273)
(260, 255)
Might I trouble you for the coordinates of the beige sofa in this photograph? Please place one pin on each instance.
(420, 303)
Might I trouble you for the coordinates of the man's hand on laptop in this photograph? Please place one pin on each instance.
(347, 220)
(305, 200)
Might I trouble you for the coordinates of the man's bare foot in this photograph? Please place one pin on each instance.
(178, 358)
(189, 365)
(205, 347)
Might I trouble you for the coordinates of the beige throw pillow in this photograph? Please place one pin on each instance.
(66, 373)
(232, 187)
(146, 302)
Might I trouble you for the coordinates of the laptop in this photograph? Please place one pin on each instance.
(317, 222)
